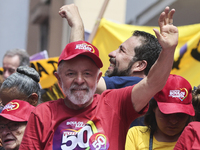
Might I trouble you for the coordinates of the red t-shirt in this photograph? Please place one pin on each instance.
(190, 137)
(103, 124)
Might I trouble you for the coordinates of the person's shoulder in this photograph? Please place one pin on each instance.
(48, 105)
(123, 77)
(117, 82)
(138, 131)
(139, 128)
(195, 125)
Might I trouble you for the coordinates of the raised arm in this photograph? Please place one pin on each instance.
(71, 13)
(159, 72)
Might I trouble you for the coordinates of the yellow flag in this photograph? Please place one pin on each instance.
(46, 69)
(109, 37)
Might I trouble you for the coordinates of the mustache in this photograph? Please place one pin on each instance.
(112, 60)
(79, 87)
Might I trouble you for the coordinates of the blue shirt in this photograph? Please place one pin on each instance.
(117, 82)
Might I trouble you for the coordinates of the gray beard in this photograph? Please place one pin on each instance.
(79, 98)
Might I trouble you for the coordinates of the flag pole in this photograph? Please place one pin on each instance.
(93, 33)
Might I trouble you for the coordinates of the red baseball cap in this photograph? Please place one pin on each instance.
(74, 49)
(176, 96)
(17, 110)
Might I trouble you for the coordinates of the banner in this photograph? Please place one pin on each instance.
(46, 69)
(187, 55)
(109, 37)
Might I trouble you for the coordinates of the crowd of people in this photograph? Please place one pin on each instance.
(101, 113)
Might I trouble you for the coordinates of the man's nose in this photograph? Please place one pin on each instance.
(113, 53)
(79, 79)
(6, 74)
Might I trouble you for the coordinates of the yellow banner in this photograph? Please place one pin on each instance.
(109, 37)
(46, 69)
(187, 55)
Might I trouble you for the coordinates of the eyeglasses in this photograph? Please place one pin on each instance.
(12, 126)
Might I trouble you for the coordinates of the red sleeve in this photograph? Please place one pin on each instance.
(38, 129)
(189, 138)
(32, 136)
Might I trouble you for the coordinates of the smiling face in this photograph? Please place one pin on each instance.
(12, 139)
(121, 59)
(170, 126)
(78, 78)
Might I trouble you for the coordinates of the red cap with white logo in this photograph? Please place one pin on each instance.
(176, 96)
(81, 48)
(17, 110)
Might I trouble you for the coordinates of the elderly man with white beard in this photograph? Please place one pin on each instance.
(85, 120)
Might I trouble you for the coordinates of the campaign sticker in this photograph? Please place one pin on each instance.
(98, 141)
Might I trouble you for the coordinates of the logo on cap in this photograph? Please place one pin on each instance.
(85, 46)
(181, 94)
(11, 106)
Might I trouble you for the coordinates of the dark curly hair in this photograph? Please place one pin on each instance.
(149, 49)
(149, 117)
(196, 102)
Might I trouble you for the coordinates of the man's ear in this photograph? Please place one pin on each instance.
(58, 78)
(99, 76)
(33, 99)
(140, 65)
